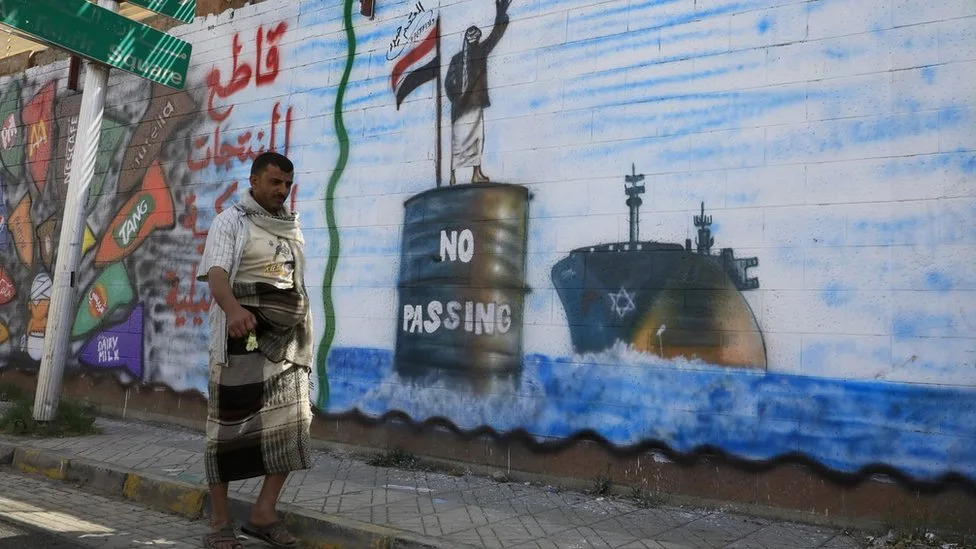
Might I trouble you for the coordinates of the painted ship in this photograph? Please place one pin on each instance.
(667, 299)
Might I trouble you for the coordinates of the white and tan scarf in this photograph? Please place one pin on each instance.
(283, 315)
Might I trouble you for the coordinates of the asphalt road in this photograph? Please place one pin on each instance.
(15, 536)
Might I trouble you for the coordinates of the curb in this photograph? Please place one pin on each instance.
(6, 453)
(317, 530)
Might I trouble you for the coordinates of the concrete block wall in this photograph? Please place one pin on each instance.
(831, 141)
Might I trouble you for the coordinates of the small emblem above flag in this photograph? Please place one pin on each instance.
(418, 66)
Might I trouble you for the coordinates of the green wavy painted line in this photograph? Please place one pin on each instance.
(322, 358)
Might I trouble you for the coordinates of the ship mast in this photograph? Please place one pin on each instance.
(705, 238)
(634, 191)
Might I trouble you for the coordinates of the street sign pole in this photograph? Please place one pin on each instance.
(49, 379)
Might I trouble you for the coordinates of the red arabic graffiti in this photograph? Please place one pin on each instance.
(190, 221)
(240, 77)
(224, 197)
(191, 213)
(241, 72)
(221, 150)
(221, 153)
(264, 77)
(189, 305)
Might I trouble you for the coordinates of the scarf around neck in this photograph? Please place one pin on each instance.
(285, 311)
(284, 225)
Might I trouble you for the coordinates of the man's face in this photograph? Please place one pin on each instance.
(271, 187)
(473, 35)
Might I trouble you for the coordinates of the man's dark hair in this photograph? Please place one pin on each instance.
(272, 158)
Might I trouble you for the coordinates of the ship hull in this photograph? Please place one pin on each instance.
(662, 299)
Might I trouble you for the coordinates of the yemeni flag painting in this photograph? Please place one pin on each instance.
(420, 65)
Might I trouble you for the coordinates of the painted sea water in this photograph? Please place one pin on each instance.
(923, 431)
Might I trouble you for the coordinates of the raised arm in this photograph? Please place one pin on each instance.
(501, 23)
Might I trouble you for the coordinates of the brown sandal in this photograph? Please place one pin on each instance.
(224, 537)
(273, 534)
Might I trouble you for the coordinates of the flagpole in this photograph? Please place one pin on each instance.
(437, 169)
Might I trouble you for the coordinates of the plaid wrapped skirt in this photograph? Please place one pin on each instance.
(258, 417)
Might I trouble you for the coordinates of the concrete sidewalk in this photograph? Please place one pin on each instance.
(343, 502)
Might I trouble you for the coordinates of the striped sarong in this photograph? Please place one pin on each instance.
(259, 416)
(259, 412)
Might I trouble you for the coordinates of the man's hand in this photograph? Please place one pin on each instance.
(240, 322)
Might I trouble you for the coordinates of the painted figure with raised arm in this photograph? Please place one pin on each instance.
(467, 90)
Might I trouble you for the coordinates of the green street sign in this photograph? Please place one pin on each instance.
(102, 36)
(183, 10)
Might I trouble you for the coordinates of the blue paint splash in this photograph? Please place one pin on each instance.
(835, 53)
(920, 324)
(742, 199)
(765, 23)
(965, 163)
(935, 280)
(834, 295)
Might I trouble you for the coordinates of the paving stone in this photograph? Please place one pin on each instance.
(90, 519)
(842, 542)
(775, 536)
(461, 510)
(644, 524)
(538, 544)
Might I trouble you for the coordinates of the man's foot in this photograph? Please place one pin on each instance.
(274, 534)
(453, 178)
(477, 176)
(222, 537)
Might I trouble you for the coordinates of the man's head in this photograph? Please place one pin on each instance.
(271, 177)
(472, 35)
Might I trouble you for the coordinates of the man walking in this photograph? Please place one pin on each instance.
(467, 90)
(259, 411)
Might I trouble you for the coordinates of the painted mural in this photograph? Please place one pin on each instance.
(667, 293)
(741, 226)
(462, 283)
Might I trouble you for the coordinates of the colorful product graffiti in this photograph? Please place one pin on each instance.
(148, 210)
(108, 293)
(38, 117)
(37, 307)
(119, 347)
(22, 231)
(744, 228)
